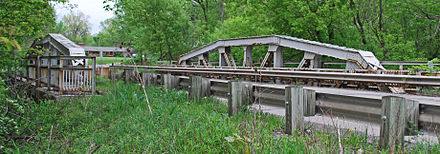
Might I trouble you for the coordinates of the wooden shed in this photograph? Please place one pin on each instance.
(62, 66)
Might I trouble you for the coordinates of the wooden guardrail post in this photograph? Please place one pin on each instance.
(153, 80)
(294, 108)
(396, 112)
(112, 74)
(234, 97)
(240, 94)
(170, 81)
(310, 102)
(127, 74)
(145, 78)
(412, 111)
(149, 78)
(199, 88)
(248, 93)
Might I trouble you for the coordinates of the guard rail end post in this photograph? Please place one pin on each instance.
(396, 111)
(294, 109)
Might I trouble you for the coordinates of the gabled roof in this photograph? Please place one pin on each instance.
(62, 44)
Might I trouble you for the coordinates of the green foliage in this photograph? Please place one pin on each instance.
(430, 67)
(21, 21)
(77, 25)
(165, 32)
(28, 17)
(394, 30)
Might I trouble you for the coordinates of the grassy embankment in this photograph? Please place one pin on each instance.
(119, 121)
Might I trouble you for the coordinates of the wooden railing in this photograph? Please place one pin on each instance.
(55, 72)
(76, 80)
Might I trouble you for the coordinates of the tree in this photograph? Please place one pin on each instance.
(157, 27)
(110, 33)
(20, 22)
(77, 25)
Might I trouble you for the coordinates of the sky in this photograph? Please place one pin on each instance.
(92, 8)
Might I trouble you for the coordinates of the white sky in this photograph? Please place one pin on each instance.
(92, 8)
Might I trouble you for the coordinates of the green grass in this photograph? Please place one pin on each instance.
(119, 121)
(109, 60)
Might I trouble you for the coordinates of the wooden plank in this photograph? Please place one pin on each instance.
(49, 62)
(294, 109)
(127, 73)
(170, 81)
(309, 102)
(93, 75)
(393, 124)
(248, 93)
(195, 90)
(38, 72)
(206, 87)
(61, 77)
(234, 97)
(412, 117)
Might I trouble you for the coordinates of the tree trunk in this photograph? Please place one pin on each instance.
(221, 5)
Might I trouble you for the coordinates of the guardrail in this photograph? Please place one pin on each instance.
(370, 79)
(426, 115)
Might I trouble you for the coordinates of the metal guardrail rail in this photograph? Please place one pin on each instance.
(390, 80)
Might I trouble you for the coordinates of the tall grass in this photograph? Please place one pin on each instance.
(118, 121)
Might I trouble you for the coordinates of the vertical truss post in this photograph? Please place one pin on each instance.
(277, 55)
(222, 59)
(247, 58)
(313, 59)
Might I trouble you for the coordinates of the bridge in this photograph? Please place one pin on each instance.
(313, 52)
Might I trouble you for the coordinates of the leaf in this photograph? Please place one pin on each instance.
(230, 139)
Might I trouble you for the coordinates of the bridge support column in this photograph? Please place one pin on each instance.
(277, 55)
(313, 60)
(247, 58)
(224, 53)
